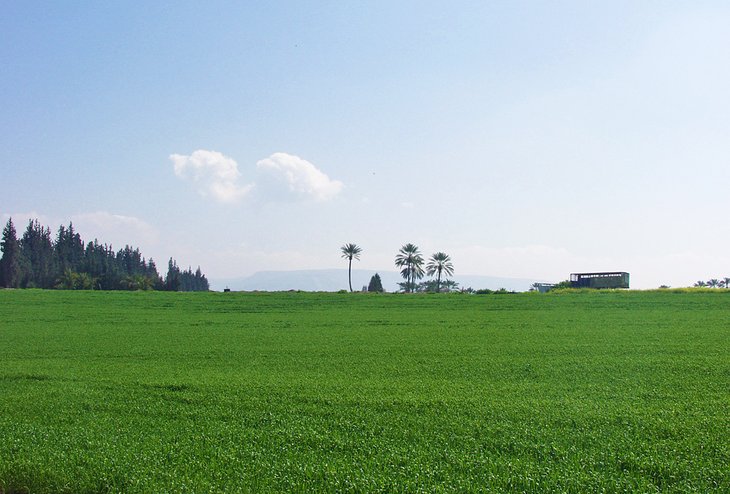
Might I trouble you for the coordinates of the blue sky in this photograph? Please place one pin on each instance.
(526, 139)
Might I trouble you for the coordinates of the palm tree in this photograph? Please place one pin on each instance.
(713, 283)
(439, 263)
(727, 282)
(410, 259)
(350, 252)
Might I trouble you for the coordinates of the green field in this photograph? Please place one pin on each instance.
(213, 392)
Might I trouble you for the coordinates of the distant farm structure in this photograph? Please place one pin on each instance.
(543, 287)
(614, 279)
(607, 279)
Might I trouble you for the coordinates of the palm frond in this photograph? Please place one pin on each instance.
(351, 251)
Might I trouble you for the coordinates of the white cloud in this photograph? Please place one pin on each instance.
(115, 229)
(20, 220)
(300, 176)
(215, 174)
(218, 176)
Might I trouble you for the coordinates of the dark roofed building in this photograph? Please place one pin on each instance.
(617, 279)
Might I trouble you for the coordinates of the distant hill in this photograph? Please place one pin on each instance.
(332, 280)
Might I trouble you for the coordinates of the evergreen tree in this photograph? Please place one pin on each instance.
(153, 275)
(201, 282)
(193, 281)
(37, 253)
(101, 264)
(172, 280)
(36, 260)
(10, 273)
(376, 284)
(69, 249)
(95, 262)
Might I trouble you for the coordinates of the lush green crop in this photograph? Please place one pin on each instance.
(174, 392)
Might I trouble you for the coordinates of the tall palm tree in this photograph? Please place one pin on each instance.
(350, 252)
(439, 263)
(727, 282)
(409, 258)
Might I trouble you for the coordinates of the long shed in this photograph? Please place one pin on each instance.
(611, 279)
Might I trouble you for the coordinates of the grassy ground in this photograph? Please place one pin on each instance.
(213, 392)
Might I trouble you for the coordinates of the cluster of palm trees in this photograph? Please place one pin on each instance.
(410, 261)
(714, 283)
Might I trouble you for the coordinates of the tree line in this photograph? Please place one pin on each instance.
(36, 260)
(714, 283)
(411, 262)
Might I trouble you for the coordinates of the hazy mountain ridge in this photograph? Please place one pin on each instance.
(332, 280)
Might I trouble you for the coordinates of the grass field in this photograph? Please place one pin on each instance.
(213, 392)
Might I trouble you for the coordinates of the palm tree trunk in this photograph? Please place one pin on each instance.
(412, 280)
(438, 282)
(349, 274)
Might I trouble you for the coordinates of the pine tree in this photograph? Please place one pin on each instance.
(375, 285)
(153, 275)
(10, 273)
(37, 253)
(201, 282)
(36, 260)
(69, 249)
(172, 280)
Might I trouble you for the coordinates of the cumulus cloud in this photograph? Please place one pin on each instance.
(115, 229)
(215, 174)
(218, 176)
(300, 176)
(20, 220)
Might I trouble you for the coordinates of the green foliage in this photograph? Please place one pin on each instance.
(558, 291)
(71, 280)
(487, 291)
(697, 290)
(137, 282)
(376, 284)
(136, 392)
(435, 286)
(713, 283)
(410, 260)
(10, 263)
(37, 248)
(351, 251)
(36, 261)
(184, 281)
(439, 263)
(562, 285)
